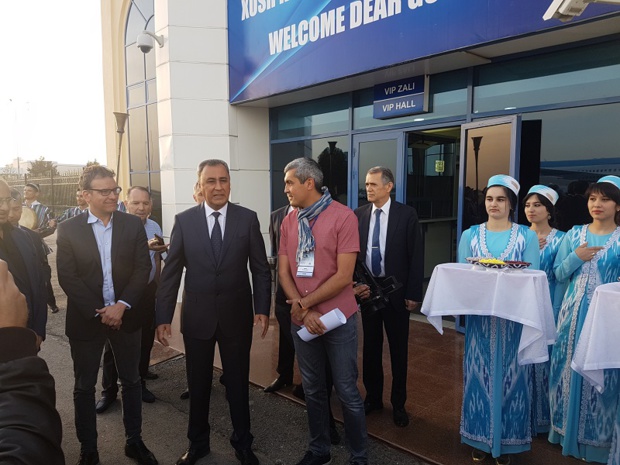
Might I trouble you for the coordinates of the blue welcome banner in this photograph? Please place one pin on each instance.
(276, 46)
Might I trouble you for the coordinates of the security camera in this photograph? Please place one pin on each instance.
(565, 10)
(145, 41)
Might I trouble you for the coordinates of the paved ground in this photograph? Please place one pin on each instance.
(279, 425)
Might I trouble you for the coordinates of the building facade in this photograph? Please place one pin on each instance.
(445, 94)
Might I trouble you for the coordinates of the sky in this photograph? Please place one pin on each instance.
(51, 81)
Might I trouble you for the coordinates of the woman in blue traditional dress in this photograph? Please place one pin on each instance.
(539, 207)
(496, 413)
(582, 420)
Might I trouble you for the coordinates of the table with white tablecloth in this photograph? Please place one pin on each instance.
(521, 296)
(598, 347)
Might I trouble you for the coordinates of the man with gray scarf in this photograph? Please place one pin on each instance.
(318, 248)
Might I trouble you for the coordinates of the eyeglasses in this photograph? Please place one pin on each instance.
(107, 192)
(6, 200)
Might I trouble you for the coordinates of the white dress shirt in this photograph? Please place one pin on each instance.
(211, 218)
(103, 236)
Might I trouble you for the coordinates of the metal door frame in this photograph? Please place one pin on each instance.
(515, 148)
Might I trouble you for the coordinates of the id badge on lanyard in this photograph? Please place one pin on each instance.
(305, 268)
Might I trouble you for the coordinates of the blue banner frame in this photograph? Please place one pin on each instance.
(276, 46)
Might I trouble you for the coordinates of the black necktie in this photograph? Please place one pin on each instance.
(375, 256)
(216, 236)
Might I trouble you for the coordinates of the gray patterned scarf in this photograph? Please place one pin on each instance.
(305, 242)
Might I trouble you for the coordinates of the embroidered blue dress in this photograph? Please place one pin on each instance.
(582, 420)
(614, 453)
(540, 371)
(496, 413)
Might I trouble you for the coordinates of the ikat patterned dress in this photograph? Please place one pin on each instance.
(540, 371)
(497, 407)
(582, 420)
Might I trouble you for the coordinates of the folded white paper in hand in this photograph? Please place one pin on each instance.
(331, 320)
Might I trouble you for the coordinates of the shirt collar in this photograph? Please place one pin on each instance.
(93, 219)
(209, 210)
(36, 202)
(385, 208)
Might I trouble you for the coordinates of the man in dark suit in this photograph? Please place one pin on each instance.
(286, 347)
(24, 260)
(390, 245)
(103, 266)
(214, 241)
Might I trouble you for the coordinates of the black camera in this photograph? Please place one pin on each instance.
(380, 290)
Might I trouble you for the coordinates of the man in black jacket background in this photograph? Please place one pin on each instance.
(20, 253)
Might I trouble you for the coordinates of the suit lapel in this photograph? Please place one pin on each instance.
(118, 229)
(230, 230)
(203, 232)
(90, 243)
(392, 226)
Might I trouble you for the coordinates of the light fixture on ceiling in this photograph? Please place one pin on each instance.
(422, 143)
(565, 10)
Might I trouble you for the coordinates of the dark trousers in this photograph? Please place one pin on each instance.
(235, 356)
(396, 324)
(110, 374)
(51, 298)
(286, 347)
(86, 357)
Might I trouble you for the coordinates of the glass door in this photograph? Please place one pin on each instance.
(489, 147)
(376, 149)
(432, 188)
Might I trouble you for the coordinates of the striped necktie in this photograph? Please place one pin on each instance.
(376, 245)
(216, 236)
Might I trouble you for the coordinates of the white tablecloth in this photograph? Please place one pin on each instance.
(598, 347)
(517, 295)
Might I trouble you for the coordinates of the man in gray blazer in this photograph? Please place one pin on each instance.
(214, 241)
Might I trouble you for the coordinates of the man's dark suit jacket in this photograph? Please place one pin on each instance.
(403, 250)
(215, 293)
(81, 276)
(274, 235)
(37, 297)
